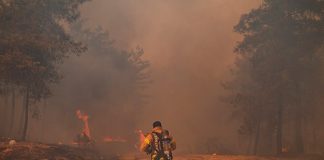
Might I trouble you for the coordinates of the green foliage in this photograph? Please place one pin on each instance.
(106, 81)
(34, 40)
(280, 62)
(126, 66)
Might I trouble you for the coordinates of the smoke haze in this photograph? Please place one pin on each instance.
(189, 44)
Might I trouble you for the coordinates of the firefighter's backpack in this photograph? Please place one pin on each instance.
(157, 146)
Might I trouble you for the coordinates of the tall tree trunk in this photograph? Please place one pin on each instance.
(6, 109)
(44, 123)
(257, 136)
(2, 117)
(248, 151)
(298, 134)
(13, 110)
(26, 116)
(279, 127)
(315, 143)
(22, 115)
(298, 121)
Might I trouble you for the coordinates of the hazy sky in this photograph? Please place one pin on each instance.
(190, 46)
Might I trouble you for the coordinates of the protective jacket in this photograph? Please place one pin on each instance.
(153, 144)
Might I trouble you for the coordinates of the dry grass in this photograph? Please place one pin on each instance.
(237, 157)
(224, 157)
(39, 151)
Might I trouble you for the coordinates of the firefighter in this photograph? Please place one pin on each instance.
(153, 143)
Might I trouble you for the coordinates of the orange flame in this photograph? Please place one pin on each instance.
(84, 117)
(141, 136)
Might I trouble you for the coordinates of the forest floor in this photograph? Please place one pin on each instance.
(12, 150)
(229, 157)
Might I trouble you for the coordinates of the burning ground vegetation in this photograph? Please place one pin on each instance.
(79, 149)
(84, 147)
(12, 150)
(15, 150)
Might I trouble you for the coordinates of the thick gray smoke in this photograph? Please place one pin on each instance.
(189, 44)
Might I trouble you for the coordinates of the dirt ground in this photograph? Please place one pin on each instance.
(39, 151)
(226, 157)
(12, 150)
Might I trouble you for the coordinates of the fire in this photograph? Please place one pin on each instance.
(109, 139)
(84, 117)
(285, 149)
(141, 136)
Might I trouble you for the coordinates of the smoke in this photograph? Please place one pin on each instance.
(190, 46)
